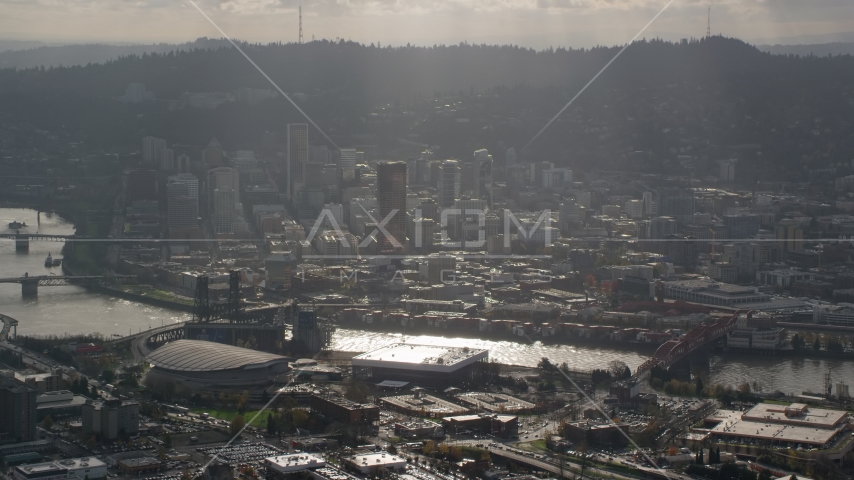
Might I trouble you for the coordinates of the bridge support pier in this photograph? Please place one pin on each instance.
(22, 243)
(30, 288)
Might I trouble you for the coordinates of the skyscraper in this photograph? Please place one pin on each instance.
(224, 177)
(297, 157)
(483, 179)
(212, 155)
(152, 151)
(17, 410)
(510, 158)
(223, 211)
(391, 198)
(182, 196)
(449, 183)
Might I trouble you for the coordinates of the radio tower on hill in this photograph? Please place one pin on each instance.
(300, 23)
(708, 25)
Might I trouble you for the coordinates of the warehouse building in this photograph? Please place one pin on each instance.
(285, 464)
(420, 364)
(72, 468)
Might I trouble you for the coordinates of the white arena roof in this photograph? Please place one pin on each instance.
(202, 356)
(426, 358)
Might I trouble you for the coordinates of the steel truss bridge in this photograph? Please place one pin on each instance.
(698, 337)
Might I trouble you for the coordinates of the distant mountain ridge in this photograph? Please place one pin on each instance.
(818, 49)
(22, 54)
(29, 54)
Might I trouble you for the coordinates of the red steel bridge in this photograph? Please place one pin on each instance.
(676, 349)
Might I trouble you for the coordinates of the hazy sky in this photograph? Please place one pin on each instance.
(533, 23)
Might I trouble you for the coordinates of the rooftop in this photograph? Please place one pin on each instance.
(733, 424)
(420, 357)
(292, 463)
(796, 414)
(198, 355)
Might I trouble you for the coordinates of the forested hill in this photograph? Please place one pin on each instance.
(34, 54)
(390, 73)
(657, 96)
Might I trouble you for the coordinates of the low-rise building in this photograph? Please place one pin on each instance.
(285, 464)
(593, 433)
(418, 429)
(504, 426)
(372, 462)
(343, 410)
(785, 426)
(73, 468)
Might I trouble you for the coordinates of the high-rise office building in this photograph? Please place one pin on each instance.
(110, 418)
(167, 160)
(510, 158)
(449, 183)
(483, 182)
(183, 164)
(789, 235)
(212, 155)
(224, 177)
(182, 196)
(223, 210)
(297, 157)
(391, 198)
(17, 410)
(152, 151)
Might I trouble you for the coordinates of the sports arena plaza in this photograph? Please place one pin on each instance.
(213, 366)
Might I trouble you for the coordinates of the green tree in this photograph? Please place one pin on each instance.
(764, 475)
(108, 375)
(47, 422)
(237, 424)
(817, 345)
(698, 387)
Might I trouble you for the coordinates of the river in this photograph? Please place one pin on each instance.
(74, 310)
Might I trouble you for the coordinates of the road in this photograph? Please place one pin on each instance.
(35, 359)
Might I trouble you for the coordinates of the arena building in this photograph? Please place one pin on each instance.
(212, 366)
(421, 364)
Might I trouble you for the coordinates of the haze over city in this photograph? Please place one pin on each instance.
(529, 23)
(426, 240)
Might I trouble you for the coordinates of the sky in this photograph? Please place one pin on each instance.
(531, 23)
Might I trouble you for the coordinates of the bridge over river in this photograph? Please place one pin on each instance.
(30, 284)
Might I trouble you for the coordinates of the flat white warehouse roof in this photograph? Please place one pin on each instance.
(425, 358)
(294, 463)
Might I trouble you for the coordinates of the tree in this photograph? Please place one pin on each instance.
(108, 375)
(47, 422)
(271, 424)
(237, 424)
(699, 386)
(545, 364)
(817, 345)
(764, 475)
(617, 368)
(700, 457)
(744, 388)
(590, 281)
